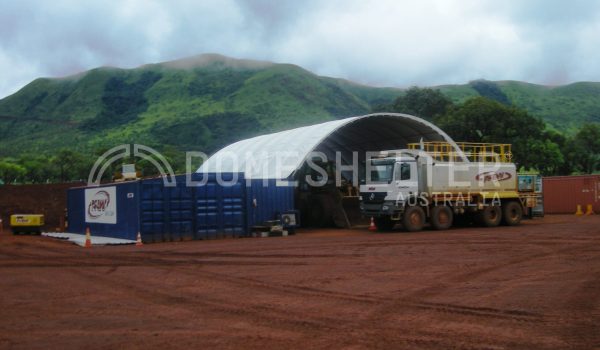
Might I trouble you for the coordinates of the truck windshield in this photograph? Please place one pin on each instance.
(382, 170)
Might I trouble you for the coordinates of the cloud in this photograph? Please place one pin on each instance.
(388, 42)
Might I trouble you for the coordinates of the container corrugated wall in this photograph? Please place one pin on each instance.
(206, 209)
(268, 199)
(562, 194)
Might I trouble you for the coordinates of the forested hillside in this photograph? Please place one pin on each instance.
(205, 102)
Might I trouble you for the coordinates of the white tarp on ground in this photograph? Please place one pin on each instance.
(79, 239)
(279, 155)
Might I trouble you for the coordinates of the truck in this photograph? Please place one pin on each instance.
(439, 183)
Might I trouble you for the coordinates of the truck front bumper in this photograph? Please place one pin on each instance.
(380, 209)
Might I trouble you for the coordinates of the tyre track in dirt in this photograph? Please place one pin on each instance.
(241, 282)
(580, 326)
(145, 261)
(440, 287)
(394, 306)
(348, 326)
(515, 315)
(77, 263)
(264, 315)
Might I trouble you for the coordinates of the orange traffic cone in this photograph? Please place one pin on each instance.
(372, 227)
(88, 238)
(138, 241)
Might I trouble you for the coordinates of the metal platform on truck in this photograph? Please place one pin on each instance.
(474, 151)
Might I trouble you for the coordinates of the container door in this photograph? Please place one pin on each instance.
(220, 209)
(233, 210)
(207, 211)
(180, 216)
(152, 211)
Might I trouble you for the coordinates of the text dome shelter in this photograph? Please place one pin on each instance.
(280, 155)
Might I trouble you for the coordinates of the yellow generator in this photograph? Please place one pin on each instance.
(26, 223)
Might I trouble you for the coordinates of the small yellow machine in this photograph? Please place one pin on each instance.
(26, 223)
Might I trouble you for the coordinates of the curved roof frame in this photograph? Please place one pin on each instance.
(265, 156)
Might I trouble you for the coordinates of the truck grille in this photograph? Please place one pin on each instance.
(373, 197)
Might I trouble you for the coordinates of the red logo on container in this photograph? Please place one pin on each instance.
(493, 176)
(98, 204)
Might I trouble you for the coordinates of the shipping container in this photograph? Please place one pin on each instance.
(562, 194)
(107, 210)
(270, 196)
(200, 206)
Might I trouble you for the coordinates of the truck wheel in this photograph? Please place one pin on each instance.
(490, 216)
(384, 223)
(512, 213)
(441, 217)
(413, 219)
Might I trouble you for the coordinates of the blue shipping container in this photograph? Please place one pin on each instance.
(108, 210)
(206, 208)
(268, 199)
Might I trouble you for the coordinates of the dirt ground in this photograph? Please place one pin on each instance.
(536, 286)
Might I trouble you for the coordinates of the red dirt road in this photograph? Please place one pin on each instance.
(536, 286)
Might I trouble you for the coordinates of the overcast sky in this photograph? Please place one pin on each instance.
(384, 43)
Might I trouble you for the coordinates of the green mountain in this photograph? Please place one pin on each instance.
(205, 102)
(564, 108)
(198, 103)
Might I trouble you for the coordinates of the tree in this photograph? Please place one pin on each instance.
(549, 157)
(423, 103)
(69, 166)
(10, 172)
(38, 168)
(483, 120)
(584, 149)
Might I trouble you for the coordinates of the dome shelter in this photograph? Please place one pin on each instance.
(368, 133)
(283, 156)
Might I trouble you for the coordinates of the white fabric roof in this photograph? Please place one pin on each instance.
(278, 155)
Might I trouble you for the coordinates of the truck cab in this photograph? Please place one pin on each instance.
(393, 181)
